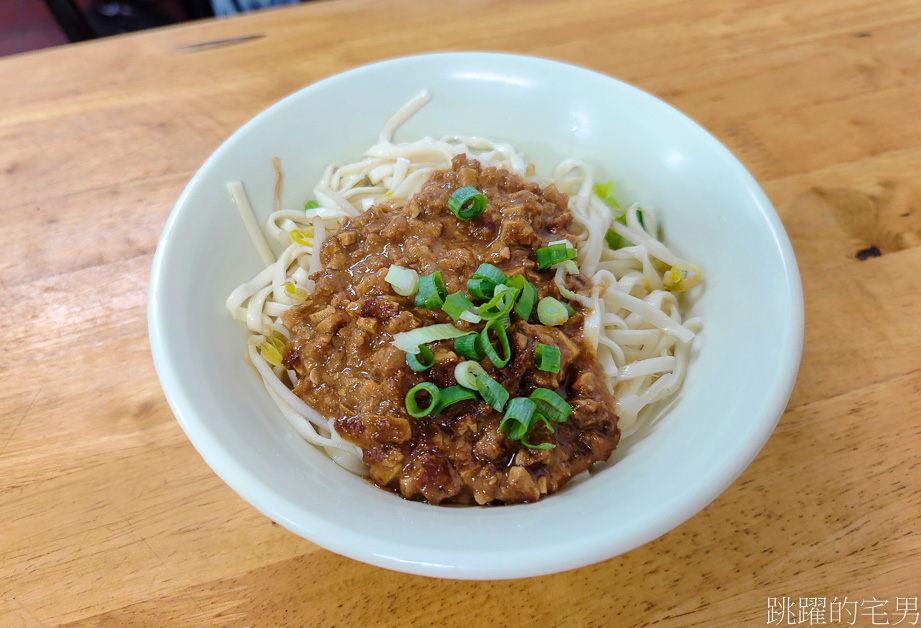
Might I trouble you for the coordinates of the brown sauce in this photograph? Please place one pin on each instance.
(348, 369)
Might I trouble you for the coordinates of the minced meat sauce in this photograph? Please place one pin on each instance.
(341, 345)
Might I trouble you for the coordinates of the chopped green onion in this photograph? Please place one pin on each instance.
(542, 446)
(569, 309)
(422, 361)
(492, 392)
(405, 281)
(501, 303)
(311, 205)
(550, 404)
(484, 344)
(505, 320)
(547, 358)
(554, 254)
(470, 316)
(480, 288)
(539, 418)
(412, 405)
(466, 373)
(467, 202)
(451, 395)
(410, 341)
(528, 297)
(490, 272)
(432, 291)
(456, 304)
(566, 268)
(565, 292)
(518, 417)
(605, 191)
(466, 345)
(552, 312)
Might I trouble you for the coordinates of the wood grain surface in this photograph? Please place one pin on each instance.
(109, 516)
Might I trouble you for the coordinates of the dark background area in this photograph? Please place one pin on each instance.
(29, 24)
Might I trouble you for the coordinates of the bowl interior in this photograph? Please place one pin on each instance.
(712, 211)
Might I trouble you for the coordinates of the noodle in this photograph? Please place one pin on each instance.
(633, 321)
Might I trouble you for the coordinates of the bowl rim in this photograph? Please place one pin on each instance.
(324, 533)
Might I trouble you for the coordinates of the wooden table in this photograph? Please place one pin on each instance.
(109, 516)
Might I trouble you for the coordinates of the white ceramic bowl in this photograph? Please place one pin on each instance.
(744, 363)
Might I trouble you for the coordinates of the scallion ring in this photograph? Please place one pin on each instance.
(412, 405)
(518, 281)
(485, 345)
(528, 297)
(451, 395)
(467, 202)
(552, 312)
(466, 373)
(470, 316)
(518, 417)
(547, 358)
(541, 446)
(480, 288)
(421, 361)
(466, 346)
(538, 417)
(550, 404)
(410, 341)
(432, 291)
(492, 392)
(554, 254)
(501, 303)
(567, 267)
(490, 272)
(455, 305)
(404, 281)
